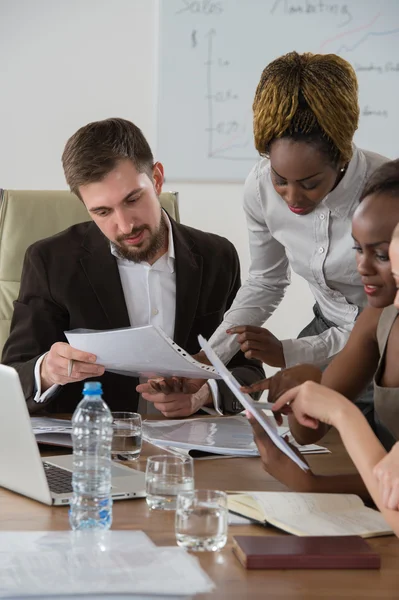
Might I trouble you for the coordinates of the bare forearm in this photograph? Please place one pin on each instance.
(366, 451)
(305, 435)
(340, 484)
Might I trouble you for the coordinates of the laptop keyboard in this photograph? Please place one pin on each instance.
(59, 480)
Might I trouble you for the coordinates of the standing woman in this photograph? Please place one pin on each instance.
(299, 200)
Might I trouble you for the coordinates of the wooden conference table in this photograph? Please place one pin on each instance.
(232, 581)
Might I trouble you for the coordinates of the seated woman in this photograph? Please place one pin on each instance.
(372, 347)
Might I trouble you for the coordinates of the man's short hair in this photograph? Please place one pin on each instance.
(95, 150)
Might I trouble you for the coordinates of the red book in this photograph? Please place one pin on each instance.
(292, 552)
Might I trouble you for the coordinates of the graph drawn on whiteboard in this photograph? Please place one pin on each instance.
(212, 54)
(228, 137)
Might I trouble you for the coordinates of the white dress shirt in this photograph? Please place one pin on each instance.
(150, 297)
(150, 290)
(317, 246)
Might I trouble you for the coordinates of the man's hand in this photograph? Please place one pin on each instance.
(257, 342)
(387, 474)
(64, 364)
(176, 397)
(278, 464)
(284, 380)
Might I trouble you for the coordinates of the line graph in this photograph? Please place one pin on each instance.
(345, 48)
(351, 32)
(233, 129)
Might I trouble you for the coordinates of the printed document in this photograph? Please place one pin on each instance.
(267, 423)
(111, 562)
(57, 432)
(139, 352)
(227, 436)
(218, 435)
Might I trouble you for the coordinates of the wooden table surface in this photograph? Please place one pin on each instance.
(231, 579)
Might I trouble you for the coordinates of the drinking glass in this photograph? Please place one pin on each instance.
(127, 435)
(201, 520)
(165, 477)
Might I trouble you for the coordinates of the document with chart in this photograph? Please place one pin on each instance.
(139, 351)
(267, 423)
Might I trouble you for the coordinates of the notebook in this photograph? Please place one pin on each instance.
(311, 514)
(338, 552)
(22, 469)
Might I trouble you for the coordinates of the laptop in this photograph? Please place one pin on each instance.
(48, 480)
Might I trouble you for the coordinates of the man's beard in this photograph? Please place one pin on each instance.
(153, 244)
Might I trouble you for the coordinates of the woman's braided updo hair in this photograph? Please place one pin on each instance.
(308, 97)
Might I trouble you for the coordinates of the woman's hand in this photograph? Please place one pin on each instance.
(279, 465)
(284, 380)
(257, 342)
(312, 403)
(387, 474)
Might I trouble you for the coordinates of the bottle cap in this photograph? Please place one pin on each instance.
(92, 388)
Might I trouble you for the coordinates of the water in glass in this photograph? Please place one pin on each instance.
(201, 520)
(167, 476)
(127, 436)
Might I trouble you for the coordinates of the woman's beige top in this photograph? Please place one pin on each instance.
(386, 400)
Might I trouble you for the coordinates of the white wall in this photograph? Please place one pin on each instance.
(60, 68)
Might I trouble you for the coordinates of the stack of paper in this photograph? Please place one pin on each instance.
(219, 435)
(228, 436)
(200, 438)
(56, 432)
(113, 562)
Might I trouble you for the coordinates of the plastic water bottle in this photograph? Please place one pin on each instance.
(91, 504)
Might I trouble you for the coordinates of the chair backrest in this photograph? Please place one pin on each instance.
(27, 216)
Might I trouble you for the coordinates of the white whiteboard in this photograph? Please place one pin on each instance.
(212, 54)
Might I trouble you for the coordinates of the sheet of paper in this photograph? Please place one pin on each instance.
(56, 432)
(238, 520)
(280, 504)
(139, 351)
(55, 439)
(321, 514)
(196, 454)
(267, 423)
(308, 449)
(113, 562)
(50, 425)
(220, 435)
(315, 514)
(364, 522)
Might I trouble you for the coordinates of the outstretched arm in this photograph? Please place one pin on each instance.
(312, 403)
(349, 373)
(280, 466)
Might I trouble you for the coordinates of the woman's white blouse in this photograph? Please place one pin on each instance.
(317, 246)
